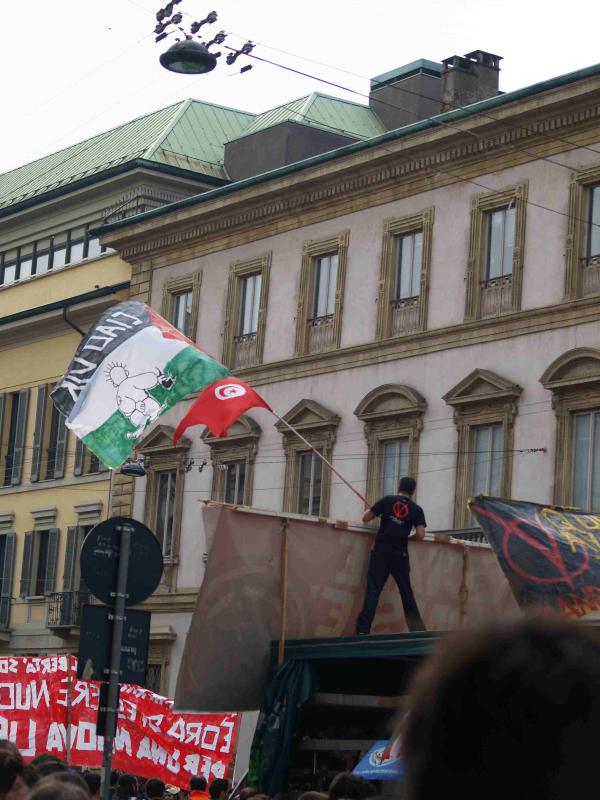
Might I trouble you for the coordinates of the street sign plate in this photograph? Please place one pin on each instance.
(93, 658)
(100, 561)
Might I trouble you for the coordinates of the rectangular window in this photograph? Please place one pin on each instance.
(76, 251)
(51, 440)
(500, 242)
(9, 435)
(487, 456)
(59, 251)
(309, 483)
(93, 248)
(9, 267)
(326, 269)
(586, 461)
(41, 563)
(164, 509)
(42, 257)
(593, 243)
(235, 481)
(395, 464)
(25, 263)
(182, 313)
(408, 266)
(250, 303)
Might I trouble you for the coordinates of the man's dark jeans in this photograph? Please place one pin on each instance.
(383, 563)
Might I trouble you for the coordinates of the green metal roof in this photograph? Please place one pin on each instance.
(188, 135)
(421, 65)
(322, 111)
(482, 106)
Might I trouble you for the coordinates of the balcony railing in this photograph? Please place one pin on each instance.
(496, 296)
(591, 275)
(320, 334)
(405, 315)
(245, 350)
(64, 608)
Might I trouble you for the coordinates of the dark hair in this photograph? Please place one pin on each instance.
(217, 787)
(53, 789)
(47, 765)
(30, 775)
(93, 781)
(248, 792)
(126, 785)
(350, 787)
(74, 778)
(509, 711)
(198, 783)
(155, 787)
(11, 765)
(407, 486)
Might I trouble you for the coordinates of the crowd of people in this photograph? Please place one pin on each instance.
(510, 711)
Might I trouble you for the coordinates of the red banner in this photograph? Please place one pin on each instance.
(38, 694)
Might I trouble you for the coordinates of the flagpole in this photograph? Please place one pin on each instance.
(322, 457)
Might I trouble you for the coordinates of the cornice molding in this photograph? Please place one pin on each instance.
(341, 184)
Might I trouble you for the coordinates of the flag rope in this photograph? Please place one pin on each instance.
(323, 459)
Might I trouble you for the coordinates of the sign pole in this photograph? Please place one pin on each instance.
(120, 597)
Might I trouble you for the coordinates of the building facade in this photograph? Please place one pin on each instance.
(422, 302)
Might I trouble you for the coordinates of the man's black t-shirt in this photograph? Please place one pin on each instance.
(398, 516)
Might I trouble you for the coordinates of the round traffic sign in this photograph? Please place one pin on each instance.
(100, 560)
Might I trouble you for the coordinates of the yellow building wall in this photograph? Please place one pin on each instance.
(27, 365)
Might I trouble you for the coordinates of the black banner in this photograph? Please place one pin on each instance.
(550, 555)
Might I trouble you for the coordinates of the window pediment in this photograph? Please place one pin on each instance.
(308, 414)
(390, 400)
(160, 440)
(243, 429)
(573, 369)
(481, 386)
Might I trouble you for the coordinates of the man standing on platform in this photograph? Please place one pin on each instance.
(389, 556)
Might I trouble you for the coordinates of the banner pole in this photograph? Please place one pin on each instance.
(322, 457)
(69, 708)
(115, 658)
(284, 591)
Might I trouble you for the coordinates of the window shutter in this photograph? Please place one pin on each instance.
(38, 436)
(27, 564)
(70, 559)
(17, 465)
(52, 559)
(79, 457)
(7, 579)
(61, 447)
(2, 403)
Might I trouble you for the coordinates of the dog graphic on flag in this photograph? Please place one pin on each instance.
(133, 398)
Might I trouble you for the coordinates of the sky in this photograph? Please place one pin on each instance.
(75, 68)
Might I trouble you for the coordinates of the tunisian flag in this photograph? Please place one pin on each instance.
(219, 405)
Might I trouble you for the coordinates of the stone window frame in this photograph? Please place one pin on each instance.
(581, 181)
(238, 270)
(391, 411)
(174, 286)
(318, 425)
(311, 251)
(240, 444)
(481, 205)
(481, 398)
(574, 380)
(160, 456)
(421, 222)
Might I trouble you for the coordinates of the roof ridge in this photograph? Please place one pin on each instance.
(89, 139)
(151, 150)
(224, 108)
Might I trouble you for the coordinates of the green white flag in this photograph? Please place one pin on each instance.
(130, 368)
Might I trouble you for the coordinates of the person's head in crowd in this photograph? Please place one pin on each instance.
(30, 775)
(12, 784)
(248, 792)
(94, 782)
(172, 792)
(347, 786)
(312, 795)
(114, 779)
(155, 789)
(407, 486)
(218, 789)
(198, 784)
(509, 711)
(74, 778)
(52, 789)
(126, 786)
(47, 764)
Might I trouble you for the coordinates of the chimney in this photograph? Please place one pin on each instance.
(407, 94)
(469, 78)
